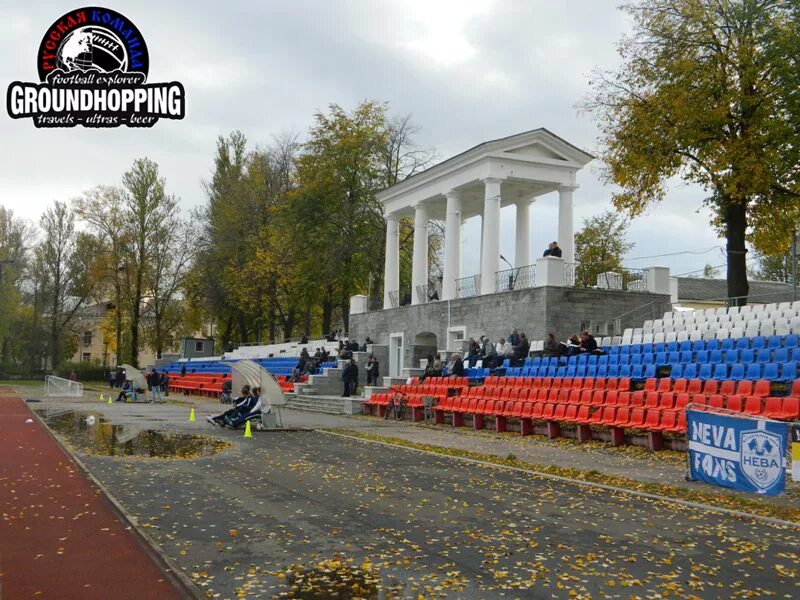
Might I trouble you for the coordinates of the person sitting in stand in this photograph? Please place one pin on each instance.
(553, 250)
(220, 419)
(373, 369)
(490, 358)
(304, 339)
(434, 368)
(473, 352)
(588, 344)
(513, 338)
(521, 351)
(551, 346)
(456, 368)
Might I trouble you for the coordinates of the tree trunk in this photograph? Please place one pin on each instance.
(118, 316)
(327, 311)
(735, 229)
(307, 320)
(346, 314)
(242, 322)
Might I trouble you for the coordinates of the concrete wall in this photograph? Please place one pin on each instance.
(535, 311)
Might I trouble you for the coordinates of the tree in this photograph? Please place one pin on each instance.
(15, 240)
(146, 207)
(64, 266)
(600, 246)
(102, 208)
(708, 91)
(709, 272)
(774, 268)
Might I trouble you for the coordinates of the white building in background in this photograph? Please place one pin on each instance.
(481, 181)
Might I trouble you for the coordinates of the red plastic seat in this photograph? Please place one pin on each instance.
(711, 386)
(694, 386)
(600, 383)
(560, 412)
(651, 400)
(547, 413)
(745, 388)
(652, 419)
(772, 408)
(680, 426)
(715, 400)
(734, 403)
(586, 397)
(752, 405)
(667, 401)
(622, 417)
(636, 420)
(583, 414)
(668, 419)
(796, 388)
(727, 387)
(598, 398)
(651, 384)
(637, 398)
(623, 399)
(609, 415)
(538, 410)
(564, 396)
(572, 413)
(664, 384)
(527, 410)
(680, 386)
(575, 397)
(588, 383)
(612, 384)
(596, 417)
(624, 384)
(611, 397)
(762, 388)
(699, 399)
(790, 408)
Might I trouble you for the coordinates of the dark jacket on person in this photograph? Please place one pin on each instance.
(589, 345)
(522, 349)
(373, 370)
(458, 367)
(551, 348)
(183, 370)
(347, 373)
(555, 252)
(513, 339)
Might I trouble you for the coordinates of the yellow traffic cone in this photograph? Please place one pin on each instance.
(109, 399)
(191, 416)
(247, 432)
(102, 398)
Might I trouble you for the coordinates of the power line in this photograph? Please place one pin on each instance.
(698, 251)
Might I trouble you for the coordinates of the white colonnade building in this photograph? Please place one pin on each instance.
(512, 170)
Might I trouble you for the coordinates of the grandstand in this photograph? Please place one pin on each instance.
(639, 388)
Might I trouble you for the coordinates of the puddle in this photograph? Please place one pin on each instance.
(104, 439)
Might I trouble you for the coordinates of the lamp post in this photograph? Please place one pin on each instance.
(510, 275)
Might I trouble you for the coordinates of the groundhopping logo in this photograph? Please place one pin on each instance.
(93, 64)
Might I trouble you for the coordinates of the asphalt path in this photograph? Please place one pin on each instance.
(235, 522)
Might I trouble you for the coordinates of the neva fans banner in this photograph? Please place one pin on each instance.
(736, 452)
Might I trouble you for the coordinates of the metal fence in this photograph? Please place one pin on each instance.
(394, 298)
(603, 277)
(467, 287)
(515, 279)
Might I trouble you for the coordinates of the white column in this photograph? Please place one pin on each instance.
(391, 269)
(566, 230)
(522, 255)
(452, 245)
(490, 250)
(419, 264)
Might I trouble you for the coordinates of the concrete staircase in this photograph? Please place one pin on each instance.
(332, 405)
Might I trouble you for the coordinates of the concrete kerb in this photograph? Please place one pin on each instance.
(170, 569)
(588, 484)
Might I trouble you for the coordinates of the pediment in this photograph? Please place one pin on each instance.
(537, 150)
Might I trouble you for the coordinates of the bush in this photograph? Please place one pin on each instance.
(85, 371)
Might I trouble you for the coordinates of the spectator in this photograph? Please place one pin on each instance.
(588, 343)
(571, 347)
(354, 347)
(183, 369)
(112, 378)
(368, 341)
(355, 376)
(503, 349)
(165, 382)
(490, 358)
(73, 376)
(521, 351)
(434, 368)
(373, 370)
(304, 339)
(304, 353)
(126, 391)
(551, 346)
(553, 250)
(347, 378)
(513, 339)
(473, 352)
(154, 383)
(457, 367)
(121, 378)
(318, 354)
(433, 296)
(242, 399)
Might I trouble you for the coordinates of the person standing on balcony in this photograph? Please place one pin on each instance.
(553, 250)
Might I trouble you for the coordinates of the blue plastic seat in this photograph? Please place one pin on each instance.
(636, 348)
(571, 371)
(661, 358)
(720, 371)
(648, 358)
(637, 371)
(742, 343)
(583, 359)
(649, 371)
(613, 371)
(591, 371)
(535, 362)
(614, 350)
(748, 356)
(686, 356)
(779, 355)
(676, 371)
(602, 370)
(771, 371)
(774, 341)
(794, 354)
(763, 355)
(647, 348)
(636, 359)
(592, 361)
(561, 372)
(602, 360)
(701, 356)
(699, 345)
(731, 356)
(728, 344)
(625, 349)
(758, 342)
(685, 346)
(791, 341)
(625, 371)
(672, 347)
(613, 360)
(551, 371)
(706, 371)
(659, 347)
(753, 372)
(674, 357)
(715, 356)
(738, 371)
(690, 370)
(713, 345)
(580, 371)
(788, 370)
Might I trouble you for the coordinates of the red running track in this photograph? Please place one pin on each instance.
(60, 536)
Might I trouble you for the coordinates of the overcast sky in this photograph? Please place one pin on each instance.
(468, 71)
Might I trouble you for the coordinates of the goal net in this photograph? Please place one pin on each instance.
(56, 386)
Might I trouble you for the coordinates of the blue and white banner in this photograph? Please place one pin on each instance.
(736, 452)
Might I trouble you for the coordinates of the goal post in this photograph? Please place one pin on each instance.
(63, 388)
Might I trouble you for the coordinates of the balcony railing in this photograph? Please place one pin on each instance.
(467, 287)
(515, 279)
(602, 277)
(394, 298)
(428, 293)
